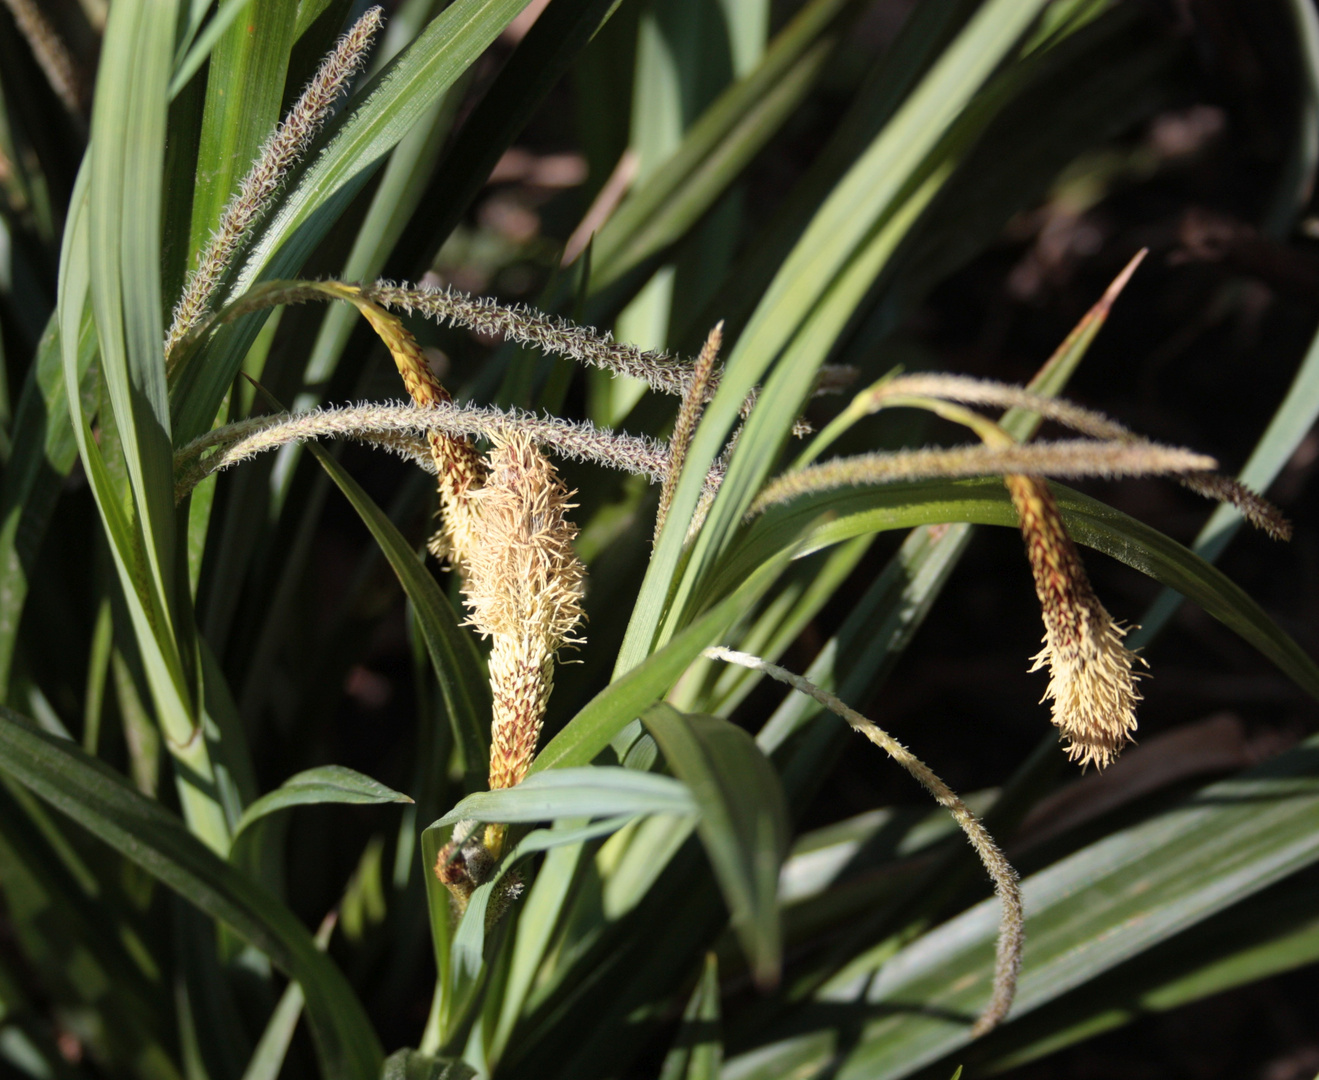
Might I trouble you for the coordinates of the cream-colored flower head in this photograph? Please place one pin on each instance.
(1092, 683)
(524, 589)
(525, 579)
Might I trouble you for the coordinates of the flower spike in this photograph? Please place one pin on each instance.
(1092, 683)
(285, 147)
(524, 588)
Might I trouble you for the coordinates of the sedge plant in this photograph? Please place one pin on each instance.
(590, 859)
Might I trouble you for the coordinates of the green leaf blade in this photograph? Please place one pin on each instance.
(100, 801)
(620, 703)
(743, 822)
(833, 517)
(324, 784)
(1107, 903)
(453, 656)
(124, 200)
(602, 791)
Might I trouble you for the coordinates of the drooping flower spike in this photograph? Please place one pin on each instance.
(1092, 677)
(1011, 936)
(1092, 682)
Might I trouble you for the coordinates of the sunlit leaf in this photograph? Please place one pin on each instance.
(324, 784)
(561, 793)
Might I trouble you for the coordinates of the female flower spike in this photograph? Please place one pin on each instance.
(524, 590)
(1091, 682)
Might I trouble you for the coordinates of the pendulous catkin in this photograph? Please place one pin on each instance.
(1092, 683)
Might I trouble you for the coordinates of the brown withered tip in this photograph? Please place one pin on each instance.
(451, 870)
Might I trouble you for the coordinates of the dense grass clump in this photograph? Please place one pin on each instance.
(547, 753)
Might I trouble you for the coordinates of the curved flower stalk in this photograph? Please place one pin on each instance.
(916, 389)
(1067, 458)
(527, 326)
(403, 429)
(1011, 935)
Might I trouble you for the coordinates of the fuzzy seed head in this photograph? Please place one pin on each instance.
(50, 52)
(1092, 683)
(524, 587)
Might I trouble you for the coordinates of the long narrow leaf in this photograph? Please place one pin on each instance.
(618, 705)
(124, 229)
(602, 791)
(325, 784)
(164, 667)
(454, 657)
(831, 518)
(743, 822)
(100, 801)
(1264, 935)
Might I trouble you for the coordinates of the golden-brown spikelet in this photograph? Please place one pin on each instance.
(689, 415)
(523, 588)
(1091, 681)
(458, 467)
